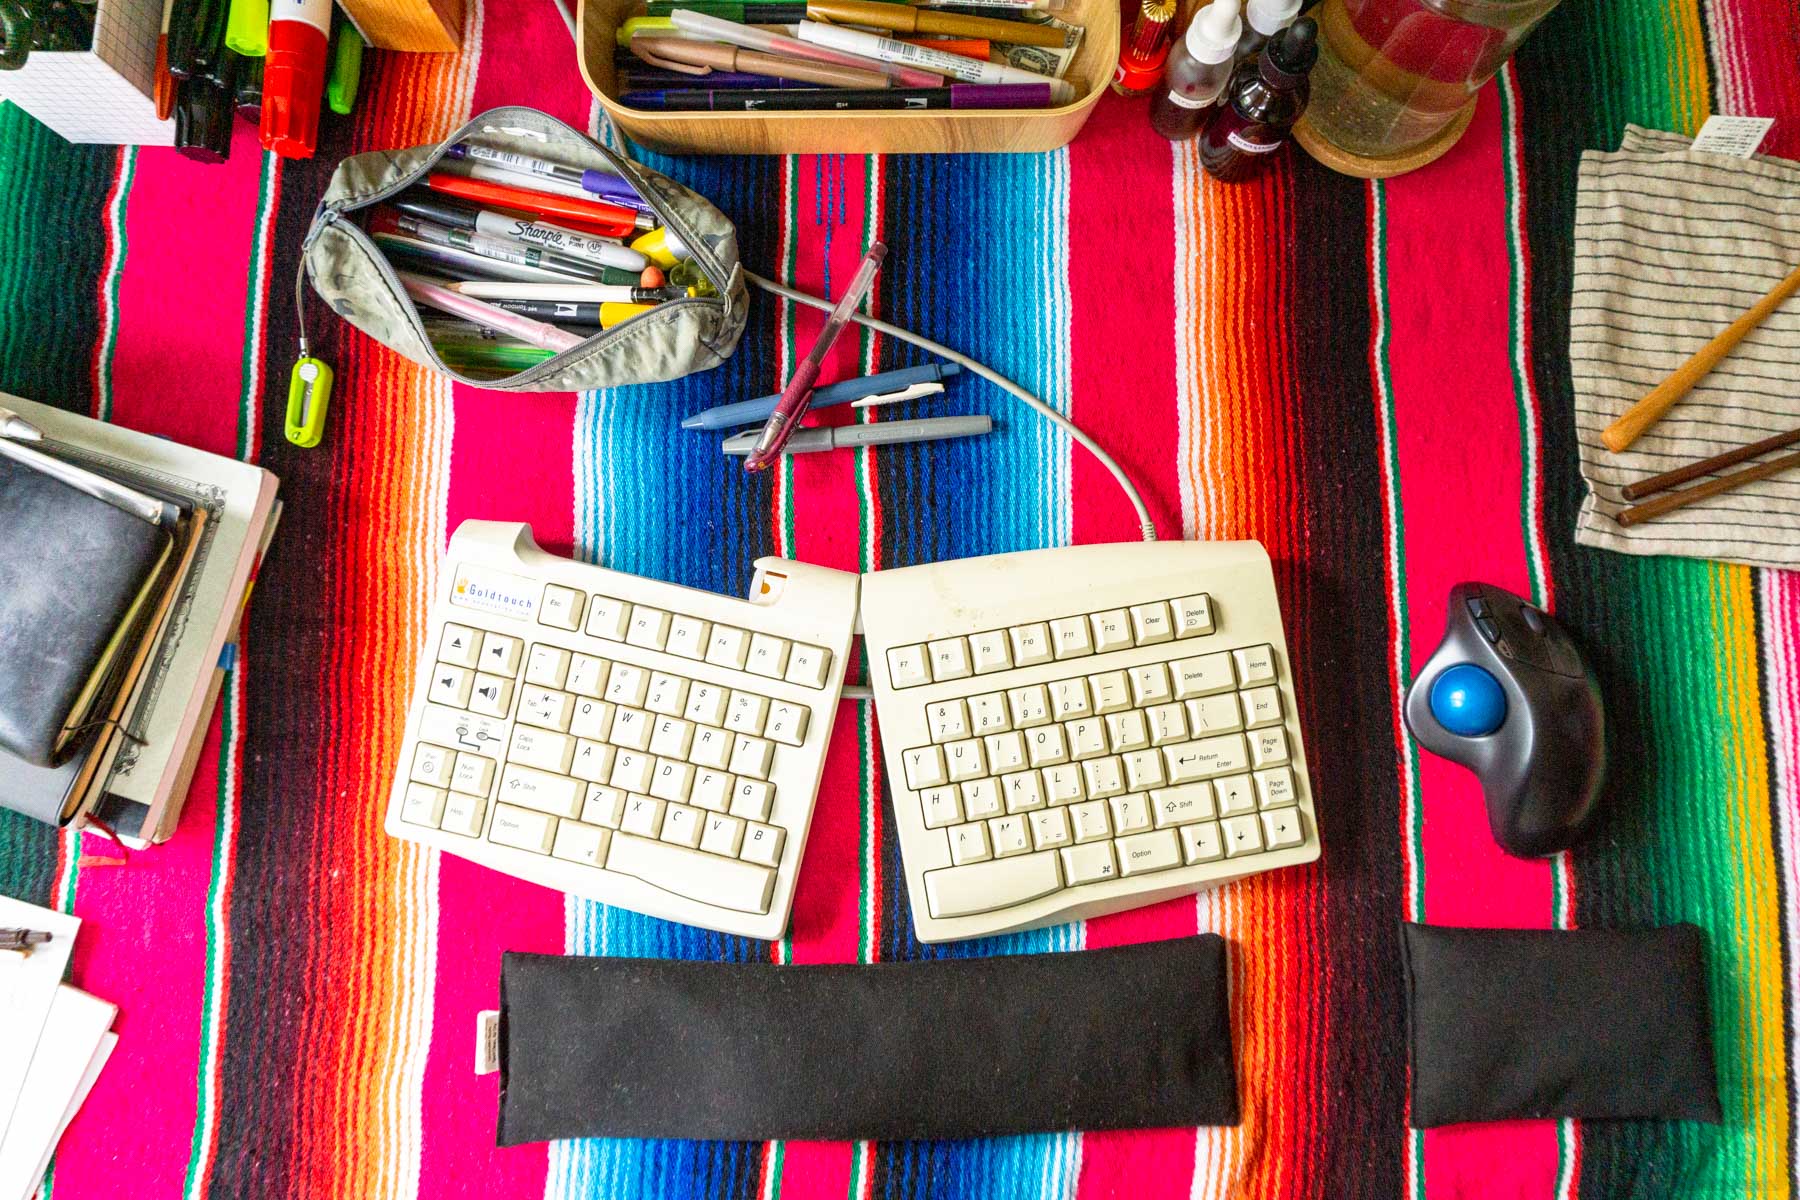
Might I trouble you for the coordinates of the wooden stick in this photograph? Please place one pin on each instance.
(1648, 411)
(1639, 513)
(1706, 466)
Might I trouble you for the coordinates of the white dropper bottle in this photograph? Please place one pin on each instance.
(1263, 19)
(1199, 67)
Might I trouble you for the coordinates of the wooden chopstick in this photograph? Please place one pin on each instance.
(1648, 411)
(1639, 513)
(1706, 466)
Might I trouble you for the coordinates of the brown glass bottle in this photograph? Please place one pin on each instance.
(1262, 102)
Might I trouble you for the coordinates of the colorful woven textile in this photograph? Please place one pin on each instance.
(1372, 379)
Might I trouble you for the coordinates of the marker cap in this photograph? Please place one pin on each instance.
(293, 88)
(1135, 74)
(1213, 35)
(203, 116)
(661, 247)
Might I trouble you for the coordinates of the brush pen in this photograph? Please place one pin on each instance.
(556, 312)
(968, 70)
(661, 51)
(880, 433)
(524, 230)
(568, 293)
(962, 95)
(796, 397)
(637, 77)
(606, 184)
(767, 42)
(750, 412)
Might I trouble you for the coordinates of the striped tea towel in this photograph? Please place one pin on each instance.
(1671, 246)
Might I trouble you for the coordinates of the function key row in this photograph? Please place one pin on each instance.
(1038, 642)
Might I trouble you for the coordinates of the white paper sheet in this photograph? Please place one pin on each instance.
(27, 987)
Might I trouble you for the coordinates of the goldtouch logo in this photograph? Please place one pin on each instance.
(494, 592)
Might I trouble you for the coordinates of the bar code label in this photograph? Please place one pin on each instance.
(487, 1042)
(1736, 136)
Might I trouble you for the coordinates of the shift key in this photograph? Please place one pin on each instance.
(557, 795)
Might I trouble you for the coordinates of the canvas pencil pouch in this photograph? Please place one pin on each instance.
(362, 284)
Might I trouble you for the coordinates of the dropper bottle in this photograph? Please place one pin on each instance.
(1199, 68)
(1263, 19)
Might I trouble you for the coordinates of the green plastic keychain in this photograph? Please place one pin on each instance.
(309, 390)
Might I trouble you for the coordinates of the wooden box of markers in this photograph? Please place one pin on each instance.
(930, 131)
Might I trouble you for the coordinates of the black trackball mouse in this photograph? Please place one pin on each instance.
(1508, 695)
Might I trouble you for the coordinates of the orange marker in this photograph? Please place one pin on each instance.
(967, 47)
(611, 220)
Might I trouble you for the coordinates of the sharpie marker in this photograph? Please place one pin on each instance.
(416, 254)
(965, 95)
(294, 75)
(604, 184)
(572, 243)
(504, 249)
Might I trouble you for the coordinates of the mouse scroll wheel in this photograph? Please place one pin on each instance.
(1490, 629)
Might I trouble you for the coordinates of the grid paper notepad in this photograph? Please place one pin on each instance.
(1671, 246)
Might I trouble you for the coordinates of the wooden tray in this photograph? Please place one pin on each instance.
(937, 131)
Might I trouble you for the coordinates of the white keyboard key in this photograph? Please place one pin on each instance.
(980, 799)
(1180, 805)
(1262, 706)
(1143, 770)
(546, 666)
(1150, 685)
(752, 798)
(1091, 863)
(681, 825)
(711, 748)
(723, 835)
(1024, 791)
(464, 814)
(1104, 777)
(432, 765)
(459, 646)
(544, 749)
(1070, 637)
(1008, 836)
(1202, 675)
(1206, 758)
(1030, 644)
(1193, 616)
(961, 891)
(587, 675)
(940, 807)
(768, 655)
(762, 844)
(949, 659)
(1215, 714)
(723, 882)
(965, 760)
(1168, 723)
(648, 627)
(1236, 795)
(500, 654)
(1062, 784)
(687, 637)
(1046, 746)
(464, 730)
(1112, 630)
(522, 829)
(908, 666)
(746, 713)
(527, 787)
(450, 685)
(947, 719)
(808, 666)
(1050, 828)
(585, 844)
(1275, 788)
(593, 762)
(608, 618)
(1200, 842)
(751, 756)
(671, 779)
(1111, 691)
(787, 723)
(1127, 731)
(988, 713)
(1255, 664)
(1087, 738)
(1069, 699)
(1005, 752)
(1090, 821)
(706, 703)
(626, 684)
(561, 608)
(545, 708)
(667, 694)
(1268, 747)
(712, 790)
(631, 728)
(1282, 828)
(423, 805)
(1243, 835)
(593, 719)
(1130, 814)
(1030, 706)
(728, 647)
(671, 738)
(1150, 623)
(473, 775)
(969, 843)
(991, 651)
(643, 816)
(603, 806)
(1146, 852)
(631, 770)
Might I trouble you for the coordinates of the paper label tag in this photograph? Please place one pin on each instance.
(1182, 101)
(1249, 147)
(487, 1042)
(1736, 136)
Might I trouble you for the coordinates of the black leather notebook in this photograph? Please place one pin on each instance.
(74, 571)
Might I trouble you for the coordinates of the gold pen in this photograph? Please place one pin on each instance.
(902, 18)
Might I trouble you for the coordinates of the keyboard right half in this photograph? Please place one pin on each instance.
(1079, 731)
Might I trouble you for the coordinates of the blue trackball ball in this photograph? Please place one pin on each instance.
(1468, 701)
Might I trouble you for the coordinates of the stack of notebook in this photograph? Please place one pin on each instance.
(128, 559)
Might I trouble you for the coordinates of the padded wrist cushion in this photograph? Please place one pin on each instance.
(1130, 1037)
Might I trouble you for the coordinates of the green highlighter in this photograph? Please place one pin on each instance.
(247, 28)
(309, 389)
(346, 70)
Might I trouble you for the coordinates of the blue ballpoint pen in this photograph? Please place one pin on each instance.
(751, 412)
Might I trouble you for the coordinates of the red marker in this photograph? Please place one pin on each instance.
(294, 75)
(611, 220)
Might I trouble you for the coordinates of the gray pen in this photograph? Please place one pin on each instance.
(13, 426)
(83, 480)
(881, 433)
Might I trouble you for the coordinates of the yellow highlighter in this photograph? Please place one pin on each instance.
(648, 26)
(309, 389)
(661, 247)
